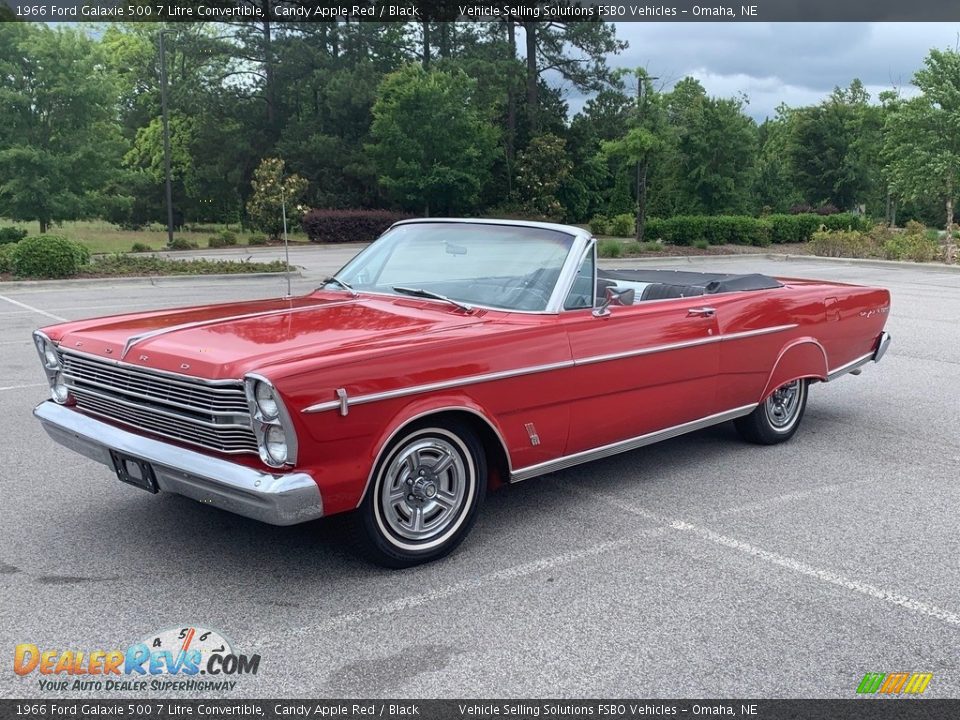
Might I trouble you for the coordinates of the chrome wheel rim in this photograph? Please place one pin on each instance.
(783, 405)
(423, 490)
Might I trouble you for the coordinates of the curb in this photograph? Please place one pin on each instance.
(868, 262)
(146, 279)
(688, 258)
(786, 257)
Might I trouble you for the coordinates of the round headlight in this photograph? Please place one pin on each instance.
(50, 358)
(266, 401)
(59, 390)
(275, 443)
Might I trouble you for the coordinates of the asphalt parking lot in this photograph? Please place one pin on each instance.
(699, 567)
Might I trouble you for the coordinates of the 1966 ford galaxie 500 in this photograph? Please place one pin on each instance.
(448, 356)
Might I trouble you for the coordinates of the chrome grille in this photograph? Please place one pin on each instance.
(214, 416)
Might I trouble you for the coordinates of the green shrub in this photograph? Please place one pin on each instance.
(337, 226)
(701, 244)
(600, 225)
(49, 256)
(125, 264)
(794, 228)
(257, 240)
(228, 238)
(610, 249)
(6, 258)
(623, 225)
(179, 243)
(653, 229)
(840, 243)
(215, 241)
(914, 243)
(9, 235)
(140, 247)
(845, 221)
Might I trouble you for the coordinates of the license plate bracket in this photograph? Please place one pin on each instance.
(135, 471)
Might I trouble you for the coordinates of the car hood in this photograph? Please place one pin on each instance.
(226, 341)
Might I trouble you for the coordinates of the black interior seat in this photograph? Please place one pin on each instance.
(663, 291)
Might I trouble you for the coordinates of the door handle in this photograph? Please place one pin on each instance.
(701, 312)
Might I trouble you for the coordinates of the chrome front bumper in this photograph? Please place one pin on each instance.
(281, 499)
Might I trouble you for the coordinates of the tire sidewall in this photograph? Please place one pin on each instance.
(790, 429)
(384, 545)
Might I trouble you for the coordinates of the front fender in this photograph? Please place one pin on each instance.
(801, 358)
(426, 407)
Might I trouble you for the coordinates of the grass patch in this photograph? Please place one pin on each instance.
(101, 237)
(121, 265)
(610, 248)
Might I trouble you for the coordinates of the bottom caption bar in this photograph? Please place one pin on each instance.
(853, 709)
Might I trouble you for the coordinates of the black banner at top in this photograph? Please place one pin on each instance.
(482, 11)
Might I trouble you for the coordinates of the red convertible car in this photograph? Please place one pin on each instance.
(447, 357)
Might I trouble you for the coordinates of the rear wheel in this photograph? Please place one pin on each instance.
(777, 418)
(426, 492)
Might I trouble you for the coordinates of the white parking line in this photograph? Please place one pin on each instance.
(803, 568)
(824, 575)
(412, 601)
(18, 387)
(30, 307)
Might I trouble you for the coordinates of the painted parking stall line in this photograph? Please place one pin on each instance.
(33, 309)
(21, 387)
(783, 561)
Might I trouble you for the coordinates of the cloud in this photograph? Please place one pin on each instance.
(772, 63)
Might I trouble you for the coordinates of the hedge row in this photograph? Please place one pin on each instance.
(346, 226)
(46, 256)
(747, 230)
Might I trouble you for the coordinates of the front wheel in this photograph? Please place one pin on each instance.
(777, 418)
(426, 492)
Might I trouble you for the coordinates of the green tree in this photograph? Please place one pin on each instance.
(922, 143)
(541, 171)
(834, 147)
(642, 143)
(274, 194)
(715, 151)
(432, 148)
(59, 138)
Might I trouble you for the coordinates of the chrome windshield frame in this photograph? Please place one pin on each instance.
(582, 242)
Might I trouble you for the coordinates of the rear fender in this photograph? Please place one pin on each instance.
(801, 358)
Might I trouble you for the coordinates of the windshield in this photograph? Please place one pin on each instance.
(500, 266)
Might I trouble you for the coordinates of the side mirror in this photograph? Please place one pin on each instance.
(614, 296)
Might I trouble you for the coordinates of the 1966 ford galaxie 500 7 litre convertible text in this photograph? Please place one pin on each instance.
(448, 356)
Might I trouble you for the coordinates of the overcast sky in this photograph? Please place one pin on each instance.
(795, 63)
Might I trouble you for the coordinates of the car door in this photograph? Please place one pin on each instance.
(640, 368)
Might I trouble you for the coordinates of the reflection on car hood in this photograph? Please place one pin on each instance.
(225, 341)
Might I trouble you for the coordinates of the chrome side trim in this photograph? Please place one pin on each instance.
(134, 340)
(761, 331)
(278, 499)
(648, 350)
(849, 367)
(883, 343)
(442, 385)
(487, 377)
(626, 445)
